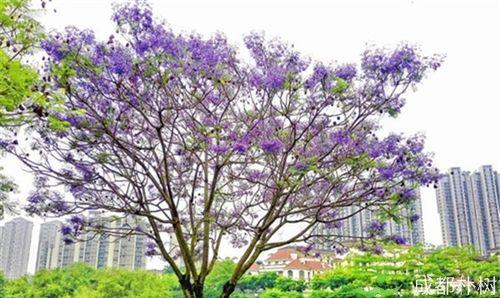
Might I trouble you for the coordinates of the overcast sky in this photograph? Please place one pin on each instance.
(457, 107)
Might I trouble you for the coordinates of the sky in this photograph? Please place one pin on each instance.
(457, 107)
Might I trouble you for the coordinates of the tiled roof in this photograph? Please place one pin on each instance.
(284, 254)
(306, 265)
(254, 267)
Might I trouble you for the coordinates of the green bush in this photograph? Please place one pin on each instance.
(218, 277)
(399, 281)
(322, 294)
(82, 281)
(2, 282)
(355, 291)
(275, 293)
(262, 281)
(286, 284)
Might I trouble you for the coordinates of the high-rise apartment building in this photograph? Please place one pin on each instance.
(48, 245)
(468, 204)
(357, 225)
(15, 247)
(96, 250)
(1, 247)
(52, 251)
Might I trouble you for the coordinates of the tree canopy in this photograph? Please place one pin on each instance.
(185, 133)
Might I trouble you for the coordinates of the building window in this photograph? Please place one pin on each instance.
(290, 273)
(301, 274)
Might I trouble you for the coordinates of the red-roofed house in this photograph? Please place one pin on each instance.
(294, 263)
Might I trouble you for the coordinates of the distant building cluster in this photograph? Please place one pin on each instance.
(469, 206)
(96, 250)
(357, 226)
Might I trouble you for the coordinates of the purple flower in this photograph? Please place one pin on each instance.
(66, 230)
(341, 250)
(400, 240)
(376, 227)
(346, 72)
(416, 145)
(151, 249)
(301, 166)
(408, 194)
(255, 176)
(386, 172)
(119, 62)
(135, 14)
(53, 48)
(273, 146)
(320, 72)
(380, 192)
(334, 225)
(275, 78)
(377, 249)
(240, 147)
(209, 120)
(76, 220)
(77, 190)
(414, 218)
(308, 248)
(219, 148)
(340, 137)
(86, 171)
(59, 206)
(36, 198)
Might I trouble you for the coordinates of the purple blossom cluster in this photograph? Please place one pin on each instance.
(151, 249)
(403, 63)
(376, 228)
(72, 228)
(346, 72)
(399, 240)
(272, 146)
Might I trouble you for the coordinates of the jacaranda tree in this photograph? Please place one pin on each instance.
(214, 150)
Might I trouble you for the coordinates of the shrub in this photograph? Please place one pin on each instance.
(276, 293)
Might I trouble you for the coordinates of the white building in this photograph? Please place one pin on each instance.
(469, 206)
(96, 250)
(294, 263)
(49, 245)
(357, 225)
(15, 247)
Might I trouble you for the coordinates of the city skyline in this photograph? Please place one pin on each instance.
(52, 251)
(462, 184)
(408, 231)
(468, 204)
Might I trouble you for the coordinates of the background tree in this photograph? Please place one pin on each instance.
(21, 95)
(82, 281)
(395, 273)
(182, 132)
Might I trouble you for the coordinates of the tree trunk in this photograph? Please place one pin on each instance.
(198, 290)
(192, 291)
(228, 289)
